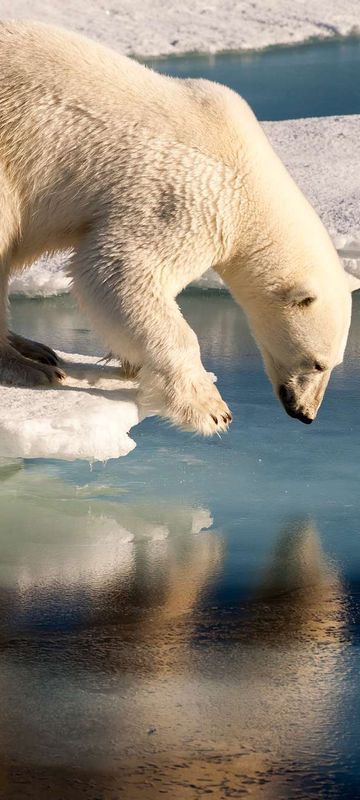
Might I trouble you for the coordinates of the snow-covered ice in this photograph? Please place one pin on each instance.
(322, 154)
(153, 27)
(88, 417)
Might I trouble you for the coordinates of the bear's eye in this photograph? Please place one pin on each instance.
(306, 302)
(319, 367)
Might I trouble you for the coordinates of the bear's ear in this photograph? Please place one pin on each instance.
(301, 295)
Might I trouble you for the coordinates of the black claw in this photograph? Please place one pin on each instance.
(214, 418)
(48, 360)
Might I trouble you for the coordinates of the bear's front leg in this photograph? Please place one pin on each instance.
(173, 380)
(134, 311)
(188, 398)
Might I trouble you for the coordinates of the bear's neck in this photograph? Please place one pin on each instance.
(277, 234)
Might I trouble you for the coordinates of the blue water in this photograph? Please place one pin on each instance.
(185, 621)
(282, 83)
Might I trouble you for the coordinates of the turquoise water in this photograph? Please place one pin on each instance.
(185, 621)
(283, 83)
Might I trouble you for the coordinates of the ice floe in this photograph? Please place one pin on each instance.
(88, 417)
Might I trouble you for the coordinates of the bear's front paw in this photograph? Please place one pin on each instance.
(199, 408)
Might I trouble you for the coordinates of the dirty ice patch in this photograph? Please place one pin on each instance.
(88, 417)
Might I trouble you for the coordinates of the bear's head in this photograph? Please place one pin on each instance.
(302, 330)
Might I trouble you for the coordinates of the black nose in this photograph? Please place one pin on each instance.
(303, 418)
(288, 400)
(286, 395)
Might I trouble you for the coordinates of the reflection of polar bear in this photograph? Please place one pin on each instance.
(240, 698)
(152, 180)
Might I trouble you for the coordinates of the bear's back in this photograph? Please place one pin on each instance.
(40, 59)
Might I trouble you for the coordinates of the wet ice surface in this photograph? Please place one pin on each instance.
(184, 622)
(87, 416)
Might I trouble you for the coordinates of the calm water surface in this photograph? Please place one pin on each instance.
(310, 80)
(184, 622)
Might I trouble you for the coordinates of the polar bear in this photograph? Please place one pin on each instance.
(151, 180)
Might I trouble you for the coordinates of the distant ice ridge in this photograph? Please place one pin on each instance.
(45, 278)
(87, 417)
(322, 154)
(155, 27)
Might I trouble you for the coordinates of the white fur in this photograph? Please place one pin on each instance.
(151, 180)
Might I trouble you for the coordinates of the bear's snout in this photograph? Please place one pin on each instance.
(288, 399)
